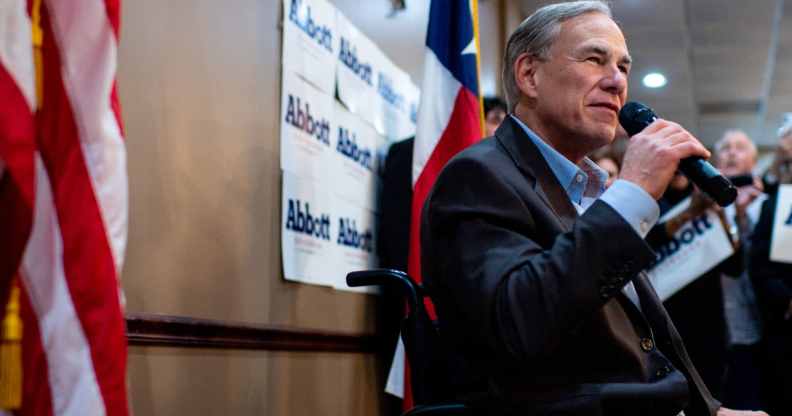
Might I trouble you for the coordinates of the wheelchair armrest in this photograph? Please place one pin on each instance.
(377, 277)
(450, 409)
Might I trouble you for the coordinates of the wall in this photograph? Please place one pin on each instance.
(199, 82)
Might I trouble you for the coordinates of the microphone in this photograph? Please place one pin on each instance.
(634, 117)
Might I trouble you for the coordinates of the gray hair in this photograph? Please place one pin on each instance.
(536, 35)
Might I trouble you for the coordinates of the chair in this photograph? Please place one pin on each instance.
(422, 344)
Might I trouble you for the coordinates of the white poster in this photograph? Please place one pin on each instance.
(308, 237)
(358, 58)
(781, 244)
(355, 172)
(310, 42)
(696, 248)
(324, 237)
(355, 241)
(331, 151)
(307, 129)
(397, 102)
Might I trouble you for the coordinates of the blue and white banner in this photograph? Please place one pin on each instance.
(355, 240)
(307, 129)
(695, 249)
(781, 244)
(307, 233)
(331, 152)
(355, 171)
(310, 41)
(359, 60)
(372, 86)
(397, 102)
(324, 237)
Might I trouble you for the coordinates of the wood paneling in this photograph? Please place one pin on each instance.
(179, 331)
(199, 82)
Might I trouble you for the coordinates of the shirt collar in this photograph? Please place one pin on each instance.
(585, 179)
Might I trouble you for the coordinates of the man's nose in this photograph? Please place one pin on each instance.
(615, 81)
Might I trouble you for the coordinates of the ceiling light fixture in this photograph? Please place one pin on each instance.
(654, 80)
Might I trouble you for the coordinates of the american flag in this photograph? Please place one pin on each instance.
(449, 116)
(62, 146)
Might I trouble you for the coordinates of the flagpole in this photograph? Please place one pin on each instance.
(474, 11)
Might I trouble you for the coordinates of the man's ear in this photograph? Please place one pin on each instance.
(525, 68)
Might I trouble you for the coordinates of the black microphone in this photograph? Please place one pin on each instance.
(634, 117)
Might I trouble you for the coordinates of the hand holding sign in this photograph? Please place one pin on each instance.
(781, 246)
(696, 244)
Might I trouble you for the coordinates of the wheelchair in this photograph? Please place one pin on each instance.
(422, 344)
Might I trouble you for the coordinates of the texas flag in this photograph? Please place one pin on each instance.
(449, 119)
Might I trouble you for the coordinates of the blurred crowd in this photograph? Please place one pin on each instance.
(736, 319)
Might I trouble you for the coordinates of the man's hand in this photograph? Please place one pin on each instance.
(728, 412)
(653, 155)
(746, 195)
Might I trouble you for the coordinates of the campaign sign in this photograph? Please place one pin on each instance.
(396, 102)
(781, 244)
(307, 129)
(695, 249)
(308, 235)
(310, 41)
(355, 173)
(355, 240)
(358, 58)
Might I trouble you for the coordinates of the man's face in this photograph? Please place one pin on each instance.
(492, 120)
(736, 155)
(581, 87)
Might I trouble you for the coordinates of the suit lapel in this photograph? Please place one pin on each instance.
(531, 162)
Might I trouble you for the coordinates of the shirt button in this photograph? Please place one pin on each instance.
(647, 344)
(644, 226)
(579, 178)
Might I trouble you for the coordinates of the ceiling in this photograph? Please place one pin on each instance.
(728, 62)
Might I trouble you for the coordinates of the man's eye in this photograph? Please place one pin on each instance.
(624, 69)
(595, 59)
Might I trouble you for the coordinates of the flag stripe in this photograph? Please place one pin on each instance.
(449, 117)
(434, 112)
(16, 48)
(71, 376)
(462, 130)
(35, 374)
(17, 144)
(84, 29)
(88, 268)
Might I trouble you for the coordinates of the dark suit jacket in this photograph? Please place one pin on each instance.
(528, 293)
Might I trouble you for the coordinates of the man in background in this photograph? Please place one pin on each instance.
(735, 156)
(494, 113)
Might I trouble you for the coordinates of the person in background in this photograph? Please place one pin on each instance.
(608, 165)
(699, 308)
(393, 241)
(735, 156)
(773, 284)
(494, 113)
(608, 161)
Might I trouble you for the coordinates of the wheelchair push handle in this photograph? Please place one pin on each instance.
(381, 277)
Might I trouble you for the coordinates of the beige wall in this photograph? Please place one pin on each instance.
(199, 83)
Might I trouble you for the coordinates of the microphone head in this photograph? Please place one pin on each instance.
(635, 116)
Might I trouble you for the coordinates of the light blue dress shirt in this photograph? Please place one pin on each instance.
(585, 183)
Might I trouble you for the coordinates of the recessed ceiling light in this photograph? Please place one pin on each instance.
(654, 80)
